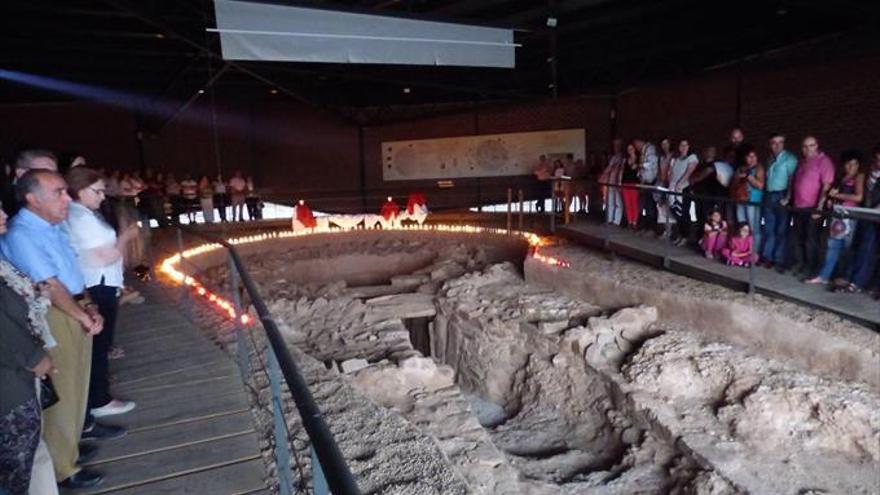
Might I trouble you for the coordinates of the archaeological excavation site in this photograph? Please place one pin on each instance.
(463, 362)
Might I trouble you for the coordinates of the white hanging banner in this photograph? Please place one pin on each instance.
(258, 31)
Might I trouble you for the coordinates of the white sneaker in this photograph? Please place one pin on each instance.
(112, 408)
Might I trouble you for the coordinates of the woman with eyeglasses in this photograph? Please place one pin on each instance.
(99, 252)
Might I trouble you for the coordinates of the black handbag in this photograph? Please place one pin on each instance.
(48, 395)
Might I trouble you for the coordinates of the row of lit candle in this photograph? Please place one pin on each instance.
(170, 265)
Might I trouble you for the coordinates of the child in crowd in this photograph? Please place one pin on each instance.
(740, 248)
(714, 235)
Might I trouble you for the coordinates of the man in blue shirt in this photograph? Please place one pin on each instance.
(37, 246)
(780, 170)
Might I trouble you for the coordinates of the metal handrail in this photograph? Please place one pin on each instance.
(340, 479)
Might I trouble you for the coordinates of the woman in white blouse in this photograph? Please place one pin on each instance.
(99, 252)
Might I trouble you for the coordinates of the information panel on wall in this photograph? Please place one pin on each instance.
(488, 155)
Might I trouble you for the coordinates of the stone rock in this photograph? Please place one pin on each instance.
(352, 365)
(399, 306)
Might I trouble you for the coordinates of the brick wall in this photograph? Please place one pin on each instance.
(290, 146)
(839, 103)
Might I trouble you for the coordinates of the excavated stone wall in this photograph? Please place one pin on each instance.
(811, 339)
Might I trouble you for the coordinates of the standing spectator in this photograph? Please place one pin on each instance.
(648, 169)
(543, 172)
(848, 190)
(36, 245)
(151, 199)
(24, 161)
(748, 185)
(253, 202)
(237, 193)
(113, 187)
(220, 197)
(99, 254)
(737, 137)
(683, 166)
(189, 190)
(129, 187)
(559, 188)
(860, 271)
(812, 180)
(206, 199)
(629, 180)
(24, 340)
(662, 200)
(172, 189)
(611, 176)
(710, 179)
(780, 170)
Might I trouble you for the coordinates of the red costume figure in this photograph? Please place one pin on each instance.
(390, 209)
(305, 216)
(415, 199)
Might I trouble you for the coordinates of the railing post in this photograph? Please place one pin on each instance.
(552, 207)
(521, 212)
(509, 212)
(667, 245)
(319, 481)
(240, 341)
(282, 449)
(186, 297)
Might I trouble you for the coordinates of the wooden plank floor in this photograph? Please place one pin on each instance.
(685, 261)
(192, 430)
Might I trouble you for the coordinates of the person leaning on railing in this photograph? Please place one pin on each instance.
(683, 166)
(848, 190)
(861, 270)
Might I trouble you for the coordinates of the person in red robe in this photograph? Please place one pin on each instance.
(390, 209)
(305, 216)
(415, 199)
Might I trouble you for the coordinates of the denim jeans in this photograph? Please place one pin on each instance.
(776, 223)
(862, 268)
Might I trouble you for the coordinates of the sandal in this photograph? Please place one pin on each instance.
(816, 281)
(852, 289)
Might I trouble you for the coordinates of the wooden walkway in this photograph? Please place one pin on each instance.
(685, 261)
(192, 431)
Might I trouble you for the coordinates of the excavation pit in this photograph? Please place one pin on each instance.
(582, 379)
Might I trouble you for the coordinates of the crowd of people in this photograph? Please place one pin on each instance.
(61, 278)
(164, 198)
(772, 209)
